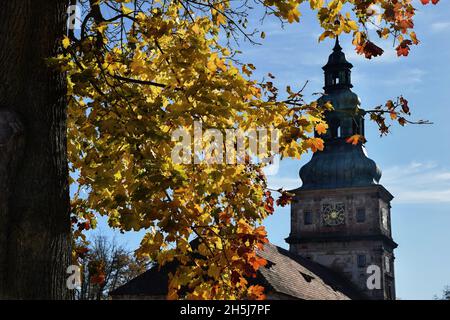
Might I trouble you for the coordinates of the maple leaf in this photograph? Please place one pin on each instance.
(284, 199)
(414, 38)
(393, 115)
(404, 105)
(402, 121)
(370, 50)
(256, 292)
(390, 105)
(315, 144)
(356, 139)
(321, 128)
(403, 48)
(269, 203)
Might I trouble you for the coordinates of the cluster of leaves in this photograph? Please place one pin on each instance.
(390, 18)
(396, 111)
(139, 70)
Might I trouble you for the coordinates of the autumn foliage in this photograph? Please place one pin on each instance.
(137, 71)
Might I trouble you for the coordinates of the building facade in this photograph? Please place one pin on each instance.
(341, 215)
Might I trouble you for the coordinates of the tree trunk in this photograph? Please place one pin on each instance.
(34, 194)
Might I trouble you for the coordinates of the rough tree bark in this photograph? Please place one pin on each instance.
(34, 195)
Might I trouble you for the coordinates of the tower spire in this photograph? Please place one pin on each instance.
(337, 70)
(337, 46)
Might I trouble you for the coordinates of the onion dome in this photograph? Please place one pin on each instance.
(340, 164)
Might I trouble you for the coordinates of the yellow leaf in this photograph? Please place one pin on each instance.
(414, 37)
(66, 42)
(196, 29)
(211, 64)
(316, 4)
(324, 35)
(353, 25)
(126, 10)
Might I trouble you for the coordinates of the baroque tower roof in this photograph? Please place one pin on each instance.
(340, 164)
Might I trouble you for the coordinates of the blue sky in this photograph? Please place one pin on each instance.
(415, 160)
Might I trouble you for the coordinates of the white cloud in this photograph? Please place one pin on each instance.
(404, 77)
(440, 26)
(418, 183)
(287, 183)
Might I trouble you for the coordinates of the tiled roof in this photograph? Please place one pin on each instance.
(301, 278)
(152, 282)
(285, 273)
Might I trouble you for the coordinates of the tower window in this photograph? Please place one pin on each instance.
(384, 218)
(335, 78)
(335, 125)
(389, 291)
(387, 264)
(361, 215)
(307, 218)
(361, 260)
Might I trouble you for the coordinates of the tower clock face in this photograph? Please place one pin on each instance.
(333, 215)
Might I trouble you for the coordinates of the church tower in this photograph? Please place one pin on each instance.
(340, 216)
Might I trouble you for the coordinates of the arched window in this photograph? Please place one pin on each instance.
(335, 78)
(335, 126)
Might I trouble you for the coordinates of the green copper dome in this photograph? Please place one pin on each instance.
(340, 164)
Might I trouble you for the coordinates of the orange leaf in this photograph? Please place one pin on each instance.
(321, 128)
(369, 49)
(315, 144)
(393, 115)
(403, 48)
(256, 292)
(355, 139)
